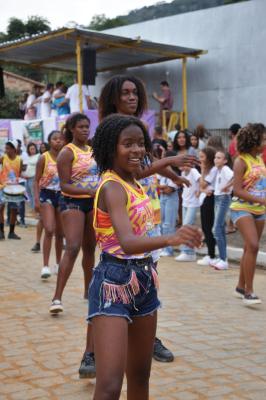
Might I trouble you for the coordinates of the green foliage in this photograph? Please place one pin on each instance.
(99, 22)
(16, 28)
(36, 24)
(159, 10)
(9, 105)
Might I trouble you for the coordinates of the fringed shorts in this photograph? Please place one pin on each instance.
(123, 288)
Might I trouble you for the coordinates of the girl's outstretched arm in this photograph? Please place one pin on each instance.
(113, 200)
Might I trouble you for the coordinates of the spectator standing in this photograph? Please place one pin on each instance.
(72, 96)
(165, 99)
(30, 170)
(46, 100)
(190, 200)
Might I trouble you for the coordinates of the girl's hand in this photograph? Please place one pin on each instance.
(168, 190)
(197, 194)
(184, 160)
(188, 235)
(181, 181)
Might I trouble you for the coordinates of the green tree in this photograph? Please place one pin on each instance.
(9, 105)
(99, 22)
(15, 29)
(36, 24)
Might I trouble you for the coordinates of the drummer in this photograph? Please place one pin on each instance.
(11, 167)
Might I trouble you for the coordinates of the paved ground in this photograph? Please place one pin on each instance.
(219, 345)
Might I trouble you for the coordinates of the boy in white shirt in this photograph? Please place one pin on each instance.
(190, 206)
(46, 99)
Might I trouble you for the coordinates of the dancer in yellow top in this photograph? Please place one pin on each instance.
(10, 171)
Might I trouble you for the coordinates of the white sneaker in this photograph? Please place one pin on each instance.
(56, 307)
(165, 253)
(45, 273)
(186, 257)
(221, 265)
(55, 269)
(204, 261)
(214, 261)
(251, 299)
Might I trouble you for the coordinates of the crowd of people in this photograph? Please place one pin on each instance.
(55, 100)
(138, 199)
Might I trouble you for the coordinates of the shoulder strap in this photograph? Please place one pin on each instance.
(73, 148)
(109, 178)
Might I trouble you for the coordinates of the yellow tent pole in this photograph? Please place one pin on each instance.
(184, 90)
(79, 73)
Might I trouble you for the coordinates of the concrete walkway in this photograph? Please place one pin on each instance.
(219, 345)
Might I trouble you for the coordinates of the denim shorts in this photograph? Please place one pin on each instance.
(123, 288)
(235, 215)
(50, 197)
(73, 203)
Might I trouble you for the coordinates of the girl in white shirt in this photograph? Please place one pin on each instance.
(190, 206)
(29, 173)
(207, 181)
(222, 200)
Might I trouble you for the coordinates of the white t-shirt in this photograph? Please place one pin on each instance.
(223, 176)
(30, 100)
(73, 96)
(210, 178)
(45, 107)
(31, 166)
(189, 193)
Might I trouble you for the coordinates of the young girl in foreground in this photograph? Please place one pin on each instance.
(123, 292)
(249, 204)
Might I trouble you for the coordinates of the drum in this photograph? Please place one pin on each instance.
(14, 193)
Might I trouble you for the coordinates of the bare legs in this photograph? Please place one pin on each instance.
(79, 233)
(251, 232)
(52, 225)
(123, 347)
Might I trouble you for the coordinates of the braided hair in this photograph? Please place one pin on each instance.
(70, 124)
(249, 136)
(107, 135)
(111, 92)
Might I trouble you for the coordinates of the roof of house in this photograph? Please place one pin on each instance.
(23, 78)
(57, 50)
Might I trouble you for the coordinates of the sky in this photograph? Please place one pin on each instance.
(59, 12)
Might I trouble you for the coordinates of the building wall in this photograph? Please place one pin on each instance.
(229, 83)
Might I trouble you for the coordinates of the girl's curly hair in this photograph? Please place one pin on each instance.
(106, 137)
(249, 136)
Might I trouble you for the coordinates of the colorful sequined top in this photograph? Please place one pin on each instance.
(150, 184)
(49, 179)
(10, 170)
(140, 212)
(84, 172)
(254, 181)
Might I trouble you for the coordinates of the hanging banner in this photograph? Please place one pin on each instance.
(33, 132)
